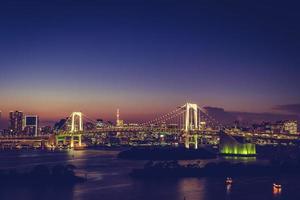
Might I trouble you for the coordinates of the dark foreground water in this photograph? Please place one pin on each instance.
(108, 180)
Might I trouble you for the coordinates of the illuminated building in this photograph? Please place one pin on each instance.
(202, 125)
(133, 124)
(235, 146)
(31, 125)
(89, 126)
(174, 125)
(15, 122)
(290, 127)
(121, 123)
(46, 130)
(163, 125)
(100, 123)
(277, 127)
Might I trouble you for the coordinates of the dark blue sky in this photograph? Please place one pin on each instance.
(147, 57)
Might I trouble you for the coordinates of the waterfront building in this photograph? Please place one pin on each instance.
(15, 122)
(290, 126)
(31, 127)
(277, 127)
(100, 123)
(89, 126)
(46, 130)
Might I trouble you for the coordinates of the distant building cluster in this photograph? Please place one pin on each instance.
(20, 123)
(290, 127)
(279, 127)
(24, 124)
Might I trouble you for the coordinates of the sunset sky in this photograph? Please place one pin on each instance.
(147, 57)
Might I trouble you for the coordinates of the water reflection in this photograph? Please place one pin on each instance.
(228, 189)
(192, 188)
(108, 180)
(36, 192)
(276, 190)
(240, 158)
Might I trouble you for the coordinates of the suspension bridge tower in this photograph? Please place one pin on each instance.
(76, 127)
(75, 133)
(191, 123)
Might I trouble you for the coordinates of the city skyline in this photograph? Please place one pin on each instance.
(148, 57)
(149, 99)
(223, 116)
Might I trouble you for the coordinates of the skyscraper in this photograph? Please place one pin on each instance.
(31, 125)
(16, 122)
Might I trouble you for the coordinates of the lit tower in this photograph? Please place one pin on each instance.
(191, 124)
(119, 122)
(79, 126)
(191, 117)
(76, 130)
(118, 117)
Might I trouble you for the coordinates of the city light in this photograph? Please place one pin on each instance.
(149, 99)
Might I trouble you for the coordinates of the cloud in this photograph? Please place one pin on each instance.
(290, 108)
(228, 117)
(220, 114)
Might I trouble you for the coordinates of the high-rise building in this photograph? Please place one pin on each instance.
(15, 122)
(31, 125)
(290, 126)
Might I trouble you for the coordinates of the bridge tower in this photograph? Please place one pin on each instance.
(75, 133)
(191, 124)
(191, 117)
(76, 128)
(79, 126)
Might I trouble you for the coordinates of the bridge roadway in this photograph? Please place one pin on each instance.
(91, 133)
(209, 132)
(134, 129)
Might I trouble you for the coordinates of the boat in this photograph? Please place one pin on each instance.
(276, 189)
(229, 181)
(277, 186)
